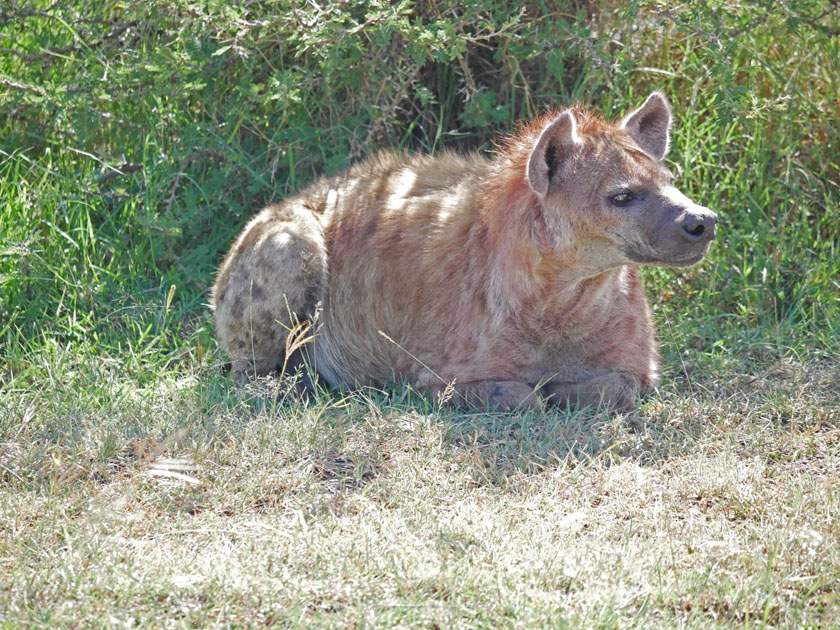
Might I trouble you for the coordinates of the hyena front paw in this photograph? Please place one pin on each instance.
(500, 395)
(614, 391)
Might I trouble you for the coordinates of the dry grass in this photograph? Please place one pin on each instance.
(712, 508)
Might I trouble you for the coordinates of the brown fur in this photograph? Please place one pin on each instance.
(513, 278)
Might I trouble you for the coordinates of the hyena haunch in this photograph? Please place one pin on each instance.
(511, 279)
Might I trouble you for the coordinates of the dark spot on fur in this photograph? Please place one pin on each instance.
(310, 299)
(394, 244)
(265, 259)
(237, 309)
(370, 228)
(256, 290)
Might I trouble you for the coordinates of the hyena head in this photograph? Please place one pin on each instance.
(607, 198)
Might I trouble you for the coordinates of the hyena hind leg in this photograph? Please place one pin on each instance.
(271, 279)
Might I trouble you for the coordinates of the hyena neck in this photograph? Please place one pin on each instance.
(525, 261)
(513, 245)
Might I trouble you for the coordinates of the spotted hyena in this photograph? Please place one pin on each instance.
(511, 280)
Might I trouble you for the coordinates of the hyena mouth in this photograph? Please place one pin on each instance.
(667, 261)
(686, 262)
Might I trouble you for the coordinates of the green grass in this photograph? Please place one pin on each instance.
(139, 487)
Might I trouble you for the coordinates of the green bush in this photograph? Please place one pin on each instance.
(136, 139)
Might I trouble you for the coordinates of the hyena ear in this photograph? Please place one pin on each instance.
(650, 125)
(553, 146)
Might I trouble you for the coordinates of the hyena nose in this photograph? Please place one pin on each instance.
(699, 225)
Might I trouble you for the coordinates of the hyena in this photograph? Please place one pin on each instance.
(506, 281)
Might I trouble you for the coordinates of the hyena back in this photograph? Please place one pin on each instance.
(510, 280)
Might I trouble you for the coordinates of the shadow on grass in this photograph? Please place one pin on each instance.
(690, 410)
(271, 443)
(363, 433)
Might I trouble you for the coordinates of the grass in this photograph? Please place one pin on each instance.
(140, 488)
(709, 508)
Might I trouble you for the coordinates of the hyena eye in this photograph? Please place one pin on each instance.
(622, 198)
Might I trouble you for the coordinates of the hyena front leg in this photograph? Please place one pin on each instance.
(613, 390)
(495, 395)
(272, 278)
